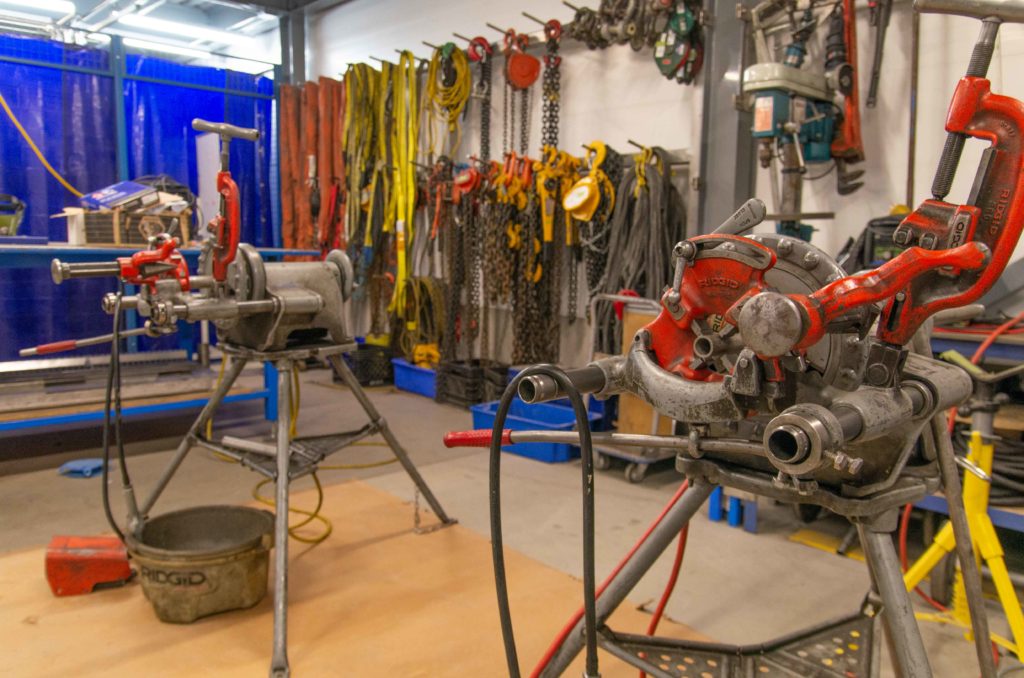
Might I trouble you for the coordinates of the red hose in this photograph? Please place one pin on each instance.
(567, 629)
(984, 346)
(670, 585)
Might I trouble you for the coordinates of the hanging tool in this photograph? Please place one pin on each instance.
(803, 118)
(795, 381)
(679, 50)
(880, 12)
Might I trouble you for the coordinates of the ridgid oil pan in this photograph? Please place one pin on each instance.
(203, 560)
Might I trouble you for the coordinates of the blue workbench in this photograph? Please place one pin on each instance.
(40, 256)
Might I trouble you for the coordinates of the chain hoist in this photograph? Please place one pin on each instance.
(591, 202)
(679, 50)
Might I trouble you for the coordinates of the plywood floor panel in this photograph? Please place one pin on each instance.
(375, 599)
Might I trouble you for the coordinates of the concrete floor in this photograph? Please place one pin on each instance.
(735, 587)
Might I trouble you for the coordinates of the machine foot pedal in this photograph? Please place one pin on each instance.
(76, 565)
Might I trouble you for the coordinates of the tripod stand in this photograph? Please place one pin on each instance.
(985, 541)
(841, 647)
(288, 458)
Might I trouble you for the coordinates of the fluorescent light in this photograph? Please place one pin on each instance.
(55, 6)
(167, 49)
(183, 30)
(14, 14)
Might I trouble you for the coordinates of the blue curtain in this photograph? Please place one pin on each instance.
(71, 115)
(68, 115)
(161, 139)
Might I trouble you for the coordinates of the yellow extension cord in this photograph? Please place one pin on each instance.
(35, 149)
(310, 516)
(447, 103)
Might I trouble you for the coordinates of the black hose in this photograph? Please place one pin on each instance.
(112, 370)
(497, 546)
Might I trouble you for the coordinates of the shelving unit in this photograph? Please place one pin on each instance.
(40, 256)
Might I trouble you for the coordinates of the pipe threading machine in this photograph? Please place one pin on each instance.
(793, 380)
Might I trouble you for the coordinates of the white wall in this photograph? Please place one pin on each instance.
(612, 95)
(946, 44)
(616, 94)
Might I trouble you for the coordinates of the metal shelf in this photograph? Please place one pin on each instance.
(39, 256)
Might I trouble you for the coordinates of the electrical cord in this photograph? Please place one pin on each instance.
(571, 624)
(448, 97)
(497, 542)
(35, 149)
(111, 373)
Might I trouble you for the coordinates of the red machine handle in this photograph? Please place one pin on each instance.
(846, 294)
(993, 215)
(228, 225)
(56, 347)
(480, 437)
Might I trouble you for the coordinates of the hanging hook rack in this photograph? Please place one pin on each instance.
(420, 59)
(430, 44)
(535, 19)
(460, 36)
(633, 143)
(503, 31)
(571, 6)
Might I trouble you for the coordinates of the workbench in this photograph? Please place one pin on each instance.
(40, 256)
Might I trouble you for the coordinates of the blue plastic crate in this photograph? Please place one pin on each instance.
(409, 377)
(523, 417)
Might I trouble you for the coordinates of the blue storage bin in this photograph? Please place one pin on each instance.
(523, 417)
(409, 377)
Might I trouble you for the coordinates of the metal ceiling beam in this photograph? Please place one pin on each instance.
(274, 6)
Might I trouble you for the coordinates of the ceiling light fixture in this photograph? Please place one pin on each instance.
(183, 30)
(164, 48)
(55, 6)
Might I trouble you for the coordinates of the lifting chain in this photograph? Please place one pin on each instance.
(485, 109)
(551, 86)
(524, 122)
(529, 325)
(472, 246)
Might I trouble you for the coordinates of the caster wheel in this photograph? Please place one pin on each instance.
(941, 580)
(602, 462)
(635, 473)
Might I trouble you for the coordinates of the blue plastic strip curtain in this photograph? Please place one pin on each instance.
(161, 139)
(69, 115)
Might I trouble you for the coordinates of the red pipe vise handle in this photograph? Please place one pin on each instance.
(145, 267)
(480, 437)
(993, 215)
(846, 294)
(227, 226)
(956, 252)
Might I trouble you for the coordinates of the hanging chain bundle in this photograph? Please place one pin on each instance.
(552, 85)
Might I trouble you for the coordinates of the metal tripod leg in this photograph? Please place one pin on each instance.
(908, 655)
(965, 552)
(279, 663)
(637, 566)
(230, 376)
(403, 457)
